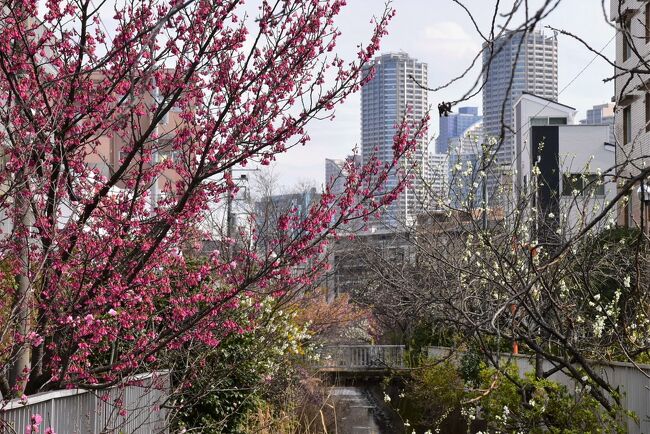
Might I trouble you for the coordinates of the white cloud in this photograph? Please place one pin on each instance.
(449, 39)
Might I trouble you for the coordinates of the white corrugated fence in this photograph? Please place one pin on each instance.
(134, 407)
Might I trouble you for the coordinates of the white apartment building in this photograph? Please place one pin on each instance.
(334, 175)
(564, 170)
(436, 177)
(336, 172)
(465, 159)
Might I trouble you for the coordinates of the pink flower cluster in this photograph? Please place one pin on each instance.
(117, 147)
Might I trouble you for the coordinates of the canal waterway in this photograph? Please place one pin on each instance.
(355, 413)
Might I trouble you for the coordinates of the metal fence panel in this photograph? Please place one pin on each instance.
(360, 357)
(133, 407)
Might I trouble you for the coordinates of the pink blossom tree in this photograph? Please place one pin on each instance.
(115, 145)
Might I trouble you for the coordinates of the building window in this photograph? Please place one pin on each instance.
(627, 124)
(647, 23)
(548, 121)
(168, 154)
(578, 184)
(647, 111)
(627, 39)
(557, 121)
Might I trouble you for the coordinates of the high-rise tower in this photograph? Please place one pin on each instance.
(454, 126)
(602, 114)
(386, 100)
(518, 62)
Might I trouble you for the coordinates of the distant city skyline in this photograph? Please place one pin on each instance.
(602, 114)
(448, 41)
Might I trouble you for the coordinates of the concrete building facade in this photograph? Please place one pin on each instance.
(563, 169)
(390, 97)
(515, 63)
(632, 98)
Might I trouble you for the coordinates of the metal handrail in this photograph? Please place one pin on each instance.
(363, 356)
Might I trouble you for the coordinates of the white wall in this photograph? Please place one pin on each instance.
(583, 150)
(528, 107)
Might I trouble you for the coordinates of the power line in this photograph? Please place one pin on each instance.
(570, 82)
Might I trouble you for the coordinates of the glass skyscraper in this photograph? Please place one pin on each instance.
(602, 114)
(455, 125)
(386, 100)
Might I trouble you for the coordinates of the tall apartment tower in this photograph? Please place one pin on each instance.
(518, 62)
(335, 172)
(632, 115)
(334, 169)
(386, 100)
(454, 126)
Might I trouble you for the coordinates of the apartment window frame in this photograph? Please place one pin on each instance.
(122, 155)
(647, 110)
(557, 120)
(583, 184)
(647, 22)
(626, 25)
(548, 120)
(627, 124)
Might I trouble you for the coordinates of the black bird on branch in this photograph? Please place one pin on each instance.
(444, 108)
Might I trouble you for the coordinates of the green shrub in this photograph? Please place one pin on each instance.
(539, 406)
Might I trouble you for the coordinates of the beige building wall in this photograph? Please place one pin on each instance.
(632, 97)
(107, 154)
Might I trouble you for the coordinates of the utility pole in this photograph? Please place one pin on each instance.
(229, 211)
(20, 362)
(484, 190)
(230, 217)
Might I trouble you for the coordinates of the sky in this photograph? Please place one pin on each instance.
(440, 33)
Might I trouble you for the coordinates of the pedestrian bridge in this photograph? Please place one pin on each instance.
(361, 358)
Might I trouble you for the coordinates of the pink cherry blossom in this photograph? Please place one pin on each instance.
(118, 147)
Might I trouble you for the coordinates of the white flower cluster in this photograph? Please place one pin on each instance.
(610, 311)
(469, 412)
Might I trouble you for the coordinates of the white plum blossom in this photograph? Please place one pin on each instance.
(599, 325)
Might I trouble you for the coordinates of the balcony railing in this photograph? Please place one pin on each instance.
(362, 357)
